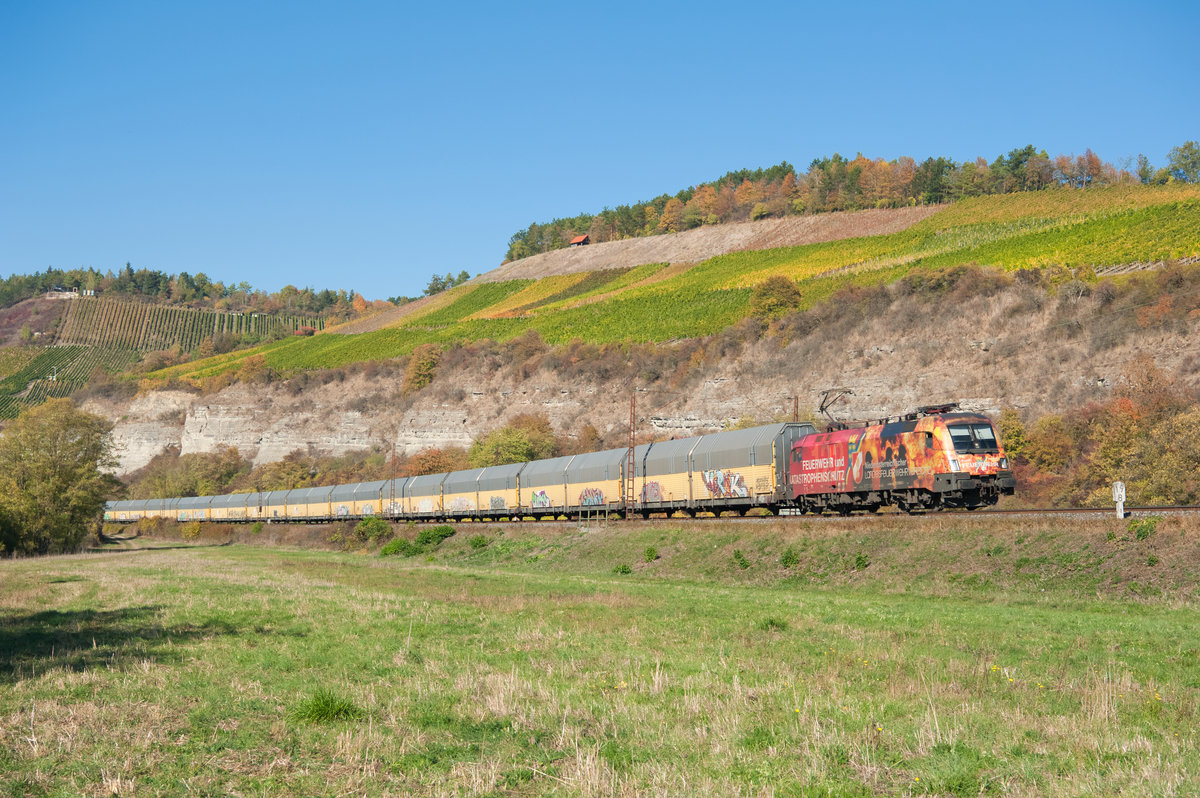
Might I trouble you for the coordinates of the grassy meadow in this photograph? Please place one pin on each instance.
(941, 656)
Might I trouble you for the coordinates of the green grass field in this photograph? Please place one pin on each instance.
(941, 656)
(1066, 228)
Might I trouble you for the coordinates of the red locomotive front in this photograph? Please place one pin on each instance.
(929, 459)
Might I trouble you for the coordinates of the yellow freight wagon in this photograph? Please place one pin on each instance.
(544, 486)
(594, 481)
(423, 496)
(500, 490)
(460, 493)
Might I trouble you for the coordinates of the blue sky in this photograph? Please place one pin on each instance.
(368, 145)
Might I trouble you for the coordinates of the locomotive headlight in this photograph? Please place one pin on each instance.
(1004, 462)
(954, 466)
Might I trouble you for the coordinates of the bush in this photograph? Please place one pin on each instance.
(740, 559)
(651, 554)
(399, 546)
(372, 529)
(1143, 528)
(150, 525)
(256, 527)
(190, 530)
(623, 569)
(861, 561)
(337, 532)
(479, 541)
(774, 297)
(790, 558)
(434, 535)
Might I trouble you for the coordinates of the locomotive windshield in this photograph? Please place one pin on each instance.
(974, 439)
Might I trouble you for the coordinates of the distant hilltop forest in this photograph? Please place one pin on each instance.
(839, 184)
(194, 291)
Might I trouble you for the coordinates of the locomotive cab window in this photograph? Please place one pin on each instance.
(973, 438)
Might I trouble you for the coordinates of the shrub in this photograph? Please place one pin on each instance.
(190, 530)
(422, 367)
(623, 569)
(790, 558)
(256, 527)
(150, 525)
(337, 532)
(434, 535)
(774, 297)
(372, 529)
(861, 561)
(479, 541)
(1143, 528)
(651, 554)
(399, 546)
(740, 559)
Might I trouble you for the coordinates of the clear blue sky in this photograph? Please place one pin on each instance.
(368, 145)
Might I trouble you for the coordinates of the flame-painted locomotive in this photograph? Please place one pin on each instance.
(931, 459)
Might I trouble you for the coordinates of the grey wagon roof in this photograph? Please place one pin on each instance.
(596, 466)
(669, 457)
(737, 448)
(366, 491)
(501, 477)
(231, 500)
(546, 472)
(426, 485)
(462, 481)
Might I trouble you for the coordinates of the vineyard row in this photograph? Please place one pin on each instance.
(143, 327)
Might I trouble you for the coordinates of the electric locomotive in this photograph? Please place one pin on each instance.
(931, 459)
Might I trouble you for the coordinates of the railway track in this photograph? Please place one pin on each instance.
(1076, 512)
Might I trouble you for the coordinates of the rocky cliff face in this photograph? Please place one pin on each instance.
(988, 352)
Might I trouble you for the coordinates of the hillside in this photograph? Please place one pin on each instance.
(60, 347)
(897, 317)
(703, 243)
(1081, 232)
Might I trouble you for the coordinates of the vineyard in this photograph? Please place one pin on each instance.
(56, 371)
(110, 335)
(144, 327)
(1078, 230)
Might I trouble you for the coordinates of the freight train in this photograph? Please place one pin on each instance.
(931, 459)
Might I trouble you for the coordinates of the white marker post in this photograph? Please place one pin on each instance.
(1119, 498)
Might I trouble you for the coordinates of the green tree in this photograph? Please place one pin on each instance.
(1183, 162)
(1145, 170)
(526, 437)
(52, 477)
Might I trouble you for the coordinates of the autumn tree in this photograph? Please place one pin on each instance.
(53, 478)
(436, 461)
(422, 367)
(672, 216)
